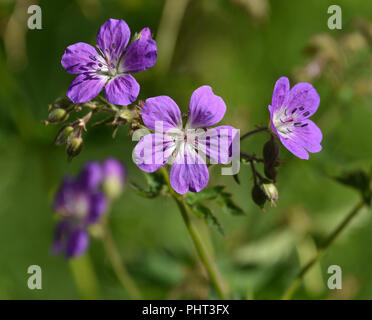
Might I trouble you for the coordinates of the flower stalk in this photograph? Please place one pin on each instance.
(116, 262)
(323, 249)
(210, 265)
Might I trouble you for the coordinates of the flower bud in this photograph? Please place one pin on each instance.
(57, 115)
(126, 115)
(271, 157)
(64, 134)
(144, 33)
(258, 196)
(62, 103)
(74, 147)
(113, 177)
(271, 192)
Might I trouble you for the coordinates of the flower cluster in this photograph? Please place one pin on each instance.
(81, 203)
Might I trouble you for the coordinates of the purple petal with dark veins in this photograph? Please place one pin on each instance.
(139, 56)
(80, 58)
(122, 90)
(164, 109)
(206, 109)
(186, 176)
(303, 101)
(281, 93)
(85, 87)
(152, 152)
(112, 38)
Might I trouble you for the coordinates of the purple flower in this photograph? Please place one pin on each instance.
(289, 113)
(110, 65)
(113, 177)
(81, 204)
(185, 148)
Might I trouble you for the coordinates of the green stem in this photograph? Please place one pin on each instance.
(116, 262)
(259, 129)
(209, 263)
(322, 250)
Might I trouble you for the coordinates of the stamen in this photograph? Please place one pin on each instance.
(304, 125)
(306, 113)
(302, 108)
(294, 110)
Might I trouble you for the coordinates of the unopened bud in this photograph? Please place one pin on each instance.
(126, 115)
(258, 196)
(74, 147)
(64, 134)
(270, 154)
(63, 103)
(57, 115)
(271, 192)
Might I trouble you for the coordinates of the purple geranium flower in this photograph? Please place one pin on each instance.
(185, 148)
(81, 204)
(110, 65)
(289, 113)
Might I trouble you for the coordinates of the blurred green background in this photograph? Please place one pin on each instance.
(240, 48)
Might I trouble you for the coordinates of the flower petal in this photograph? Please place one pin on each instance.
(220, 144)
(80, 58)
(295, 148)
(64, 194)
(189, 172)
(140, 55)
(153, 151)
(161, 109)
(112, 38)
(309, 135)
(97, 206)
(280, 94)
(303, 101)
(206, 109)
(113, 168)
(122, 90)
(85, 87)
(90, 177)
(77, 243)
(60, 232)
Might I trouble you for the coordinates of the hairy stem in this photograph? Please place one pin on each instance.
(249, 133)
(116, 262)
(208, 261)
(322, 250)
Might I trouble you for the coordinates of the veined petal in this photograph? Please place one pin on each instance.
(80, 58)
(189, 172)
(309, 136)
(220, 144)
(77, 243)
(112, 38)
(280, 94)
(153, 151)
(206, 109)
(85, 87)
(140, 55)
(297, 149)
(122, 90)
(161, 110)
(303, 101)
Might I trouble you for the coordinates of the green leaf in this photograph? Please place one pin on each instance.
(205, 194)
(207, 214)
(228, 204)
(358, 180)
(155, 182)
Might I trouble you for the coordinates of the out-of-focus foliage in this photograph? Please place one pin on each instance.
(240, 50)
